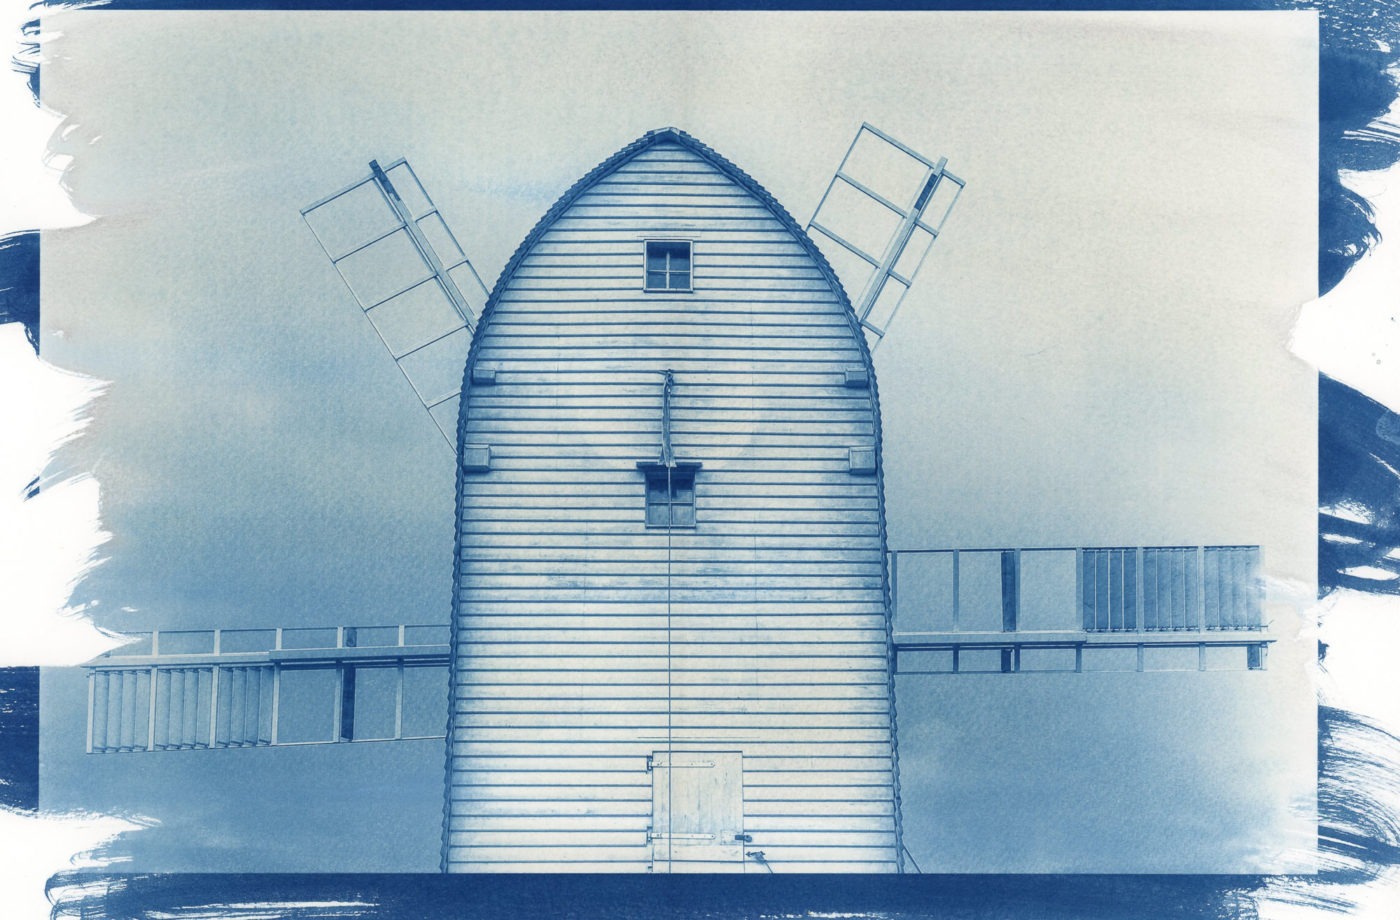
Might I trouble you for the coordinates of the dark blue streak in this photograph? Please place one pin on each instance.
(19, 738)
(19, 283)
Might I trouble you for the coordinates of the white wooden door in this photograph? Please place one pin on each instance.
(697, 813)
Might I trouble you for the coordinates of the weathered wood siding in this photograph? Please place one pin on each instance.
(584, 641)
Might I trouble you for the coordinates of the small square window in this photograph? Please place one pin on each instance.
(667, 265)
(670, 497)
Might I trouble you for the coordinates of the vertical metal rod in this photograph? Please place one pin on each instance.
(337, 717)
(398, 695)
(276, 694)
(1139, 590)
(957, 602)
(92, 711)
(668, 456)
(213, 706)
(1079, 585)
(151, 716)
(1199, 553)
(670, 746)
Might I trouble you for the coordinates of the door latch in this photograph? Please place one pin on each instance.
(744, 838)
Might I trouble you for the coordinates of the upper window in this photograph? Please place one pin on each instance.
(670, 496)
(668, 265)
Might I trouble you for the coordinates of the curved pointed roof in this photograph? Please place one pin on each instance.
(651, 139)
(645, 142)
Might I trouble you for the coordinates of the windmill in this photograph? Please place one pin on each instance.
(671, 648)
(672, 645)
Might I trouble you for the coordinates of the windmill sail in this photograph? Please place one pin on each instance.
(883, 209)
(410, 277)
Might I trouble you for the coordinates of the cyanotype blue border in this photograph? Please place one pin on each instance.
(1357, 436)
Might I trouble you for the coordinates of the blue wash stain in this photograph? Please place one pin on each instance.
(1358, 492)
(19, 283)
(19, 738)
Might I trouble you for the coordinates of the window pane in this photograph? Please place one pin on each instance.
(683, 515)
(1129, 589)
(680, 257)
(425, 700)
(656, 258)
(658, 515)
(680, 280)
(426, 635)
(372, 636)
(656, 280)
(185, 642)
(306, 705)
(376, 699)
(311, 637)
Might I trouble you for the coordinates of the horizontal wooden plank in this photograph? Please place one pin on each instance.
(758, 786)
(624, 246)
(617, 458)
(880, 792)
(712, 625)
(756, 768)
(466, 679)
(687, 655)
(478, 710)
(801, 593)
(633, 411)
(693, 553)
(863, 816)
(755, 298)
(735, 475)
(682, 639)
(605, 814)
(632, 561)
(577, 817)
(562, 381)
(710, 212)
(628, 261)
(750, 429)
(638, 777)
(753, 748)
(562, 854)
(624, 287)
(626, 198)
(824, 532)
(579, 867)
(727, 734)
(506, 837)
(584, 606)
(526, 796)
(600, 717)
(872, 697)
(826, 837)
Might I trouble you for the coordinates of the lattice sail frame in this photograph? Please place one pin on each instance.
(919, 205)
(428, 343)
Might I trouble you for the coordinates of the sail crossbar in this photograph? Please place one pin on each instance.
(881, 242)
(409, 276)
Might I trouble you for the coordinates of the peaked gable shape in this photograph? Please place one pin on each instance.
(651, 139)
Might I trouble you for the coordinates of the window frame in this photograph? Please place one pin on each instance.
(654, 472)
(689, 273)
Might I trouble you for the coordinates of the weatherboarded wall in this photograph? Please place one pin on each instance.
(586, 643)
